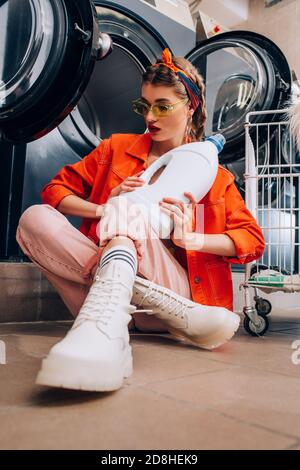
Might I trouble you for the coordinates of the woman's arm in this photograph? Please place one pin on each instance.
(242, 240)
(78, 180)
(218, 244)
(74, 205)
(242, 229)
(186, 237)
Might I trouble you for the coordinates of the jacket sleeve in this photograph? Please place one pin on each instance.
(242, 228)
(76, 179)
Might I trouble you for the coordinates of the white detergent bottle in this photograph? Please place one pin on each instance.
(190, 168)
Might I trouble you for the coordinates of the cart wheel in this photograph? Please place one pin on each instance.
(258, 330)
(263, 306)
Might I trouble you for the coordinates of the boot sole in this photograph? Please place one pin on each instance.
(213, 341)
(64, 372)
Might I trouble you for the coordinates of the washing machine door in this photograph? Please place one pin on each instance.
(47, 52)
(105, 106)
(243, 72)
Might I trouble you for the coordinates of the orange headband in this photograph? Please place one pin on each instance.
(168, 61)
(191, 87)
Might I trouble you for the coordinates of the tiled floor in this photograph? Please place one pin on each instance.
(246, 395)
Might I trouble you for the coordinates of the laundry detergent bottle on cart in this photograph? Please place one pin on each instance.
(190, 168)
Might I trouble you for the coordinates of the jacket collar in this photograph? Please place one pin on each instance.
(140, 147)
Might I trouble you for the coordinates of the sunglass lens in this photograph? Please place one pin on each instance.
(161, 110)
(139, 108)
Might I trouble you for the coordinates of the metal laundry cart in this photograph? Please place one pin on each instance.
(272, 170)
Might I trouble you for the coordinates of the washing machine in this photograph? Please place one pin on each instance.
(47, 67)
(57, 102)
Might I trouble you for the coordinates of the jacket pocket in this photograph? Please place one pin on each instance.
(220, 282)
(112, 181)
(214, 217)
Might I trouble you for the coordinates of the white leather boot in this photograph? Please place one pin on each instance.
(201, 325)
(96, 355)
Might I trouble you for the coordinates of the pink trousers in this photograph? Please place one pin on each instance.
(64, 255)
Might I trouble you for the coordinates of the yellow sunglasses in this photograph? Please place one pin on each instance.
(159, 110)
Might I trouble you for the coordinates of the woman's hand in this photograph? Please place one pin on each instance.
(182, 215)
(99, 211)
(130, 184)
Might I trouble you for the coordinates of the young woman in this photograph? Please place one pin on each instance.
(184, 284)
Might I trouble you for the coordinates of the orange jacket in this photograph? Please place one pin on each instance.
(123, 155)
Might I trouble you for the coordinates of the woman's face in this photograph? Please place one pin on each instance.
(172, 126)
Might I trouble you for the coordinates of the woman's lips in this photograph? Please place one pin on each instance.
(153, 129)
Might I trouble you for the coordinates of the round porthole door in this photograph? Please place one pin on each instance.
(243, 72)
(47, 52)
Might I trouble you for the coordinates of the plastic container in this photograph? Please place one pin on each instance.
(190, 168)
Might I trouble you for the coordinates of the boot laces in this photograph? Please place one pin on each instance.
(102, 301)
(165, 301)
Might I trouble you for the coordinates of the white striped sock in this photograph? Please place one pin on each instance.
(120, 253)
